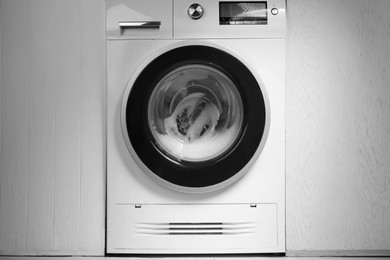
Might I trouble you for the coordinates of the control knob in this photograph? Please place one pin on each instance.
(195, 11)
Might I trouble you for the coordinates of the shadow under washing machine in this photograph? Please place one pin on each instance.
(195, 127)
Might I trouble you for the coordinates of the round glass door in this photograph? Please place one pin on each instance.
(195, 118)
(195, 113)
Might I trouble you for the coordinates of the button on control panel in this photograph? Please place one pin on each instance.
(195, 11)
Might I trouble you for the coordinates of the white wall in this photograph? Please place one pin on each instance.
(52, 188)
(338, 125)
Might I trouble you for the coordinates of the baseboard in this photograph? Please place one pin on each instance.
(354, 253)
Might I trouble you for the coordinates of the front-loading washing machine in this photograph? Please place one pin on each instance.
(195, 126)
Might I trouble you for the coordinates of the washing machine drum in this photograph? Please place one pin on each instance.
(195, 117)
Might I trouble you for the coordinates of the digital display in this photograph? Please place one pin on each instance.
(242, 13)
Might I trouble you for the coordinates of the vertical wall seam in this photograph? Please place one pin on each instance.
(54, 134)
(1, 110)
(81, 123)
(28, 125)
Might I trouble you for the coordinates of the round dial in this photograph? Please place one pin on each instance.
(195, 11)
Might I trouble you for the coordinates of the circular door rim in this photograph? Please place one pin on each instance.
(155, 177)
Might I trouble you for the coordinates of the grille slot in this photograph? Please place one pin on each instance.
(204, 228)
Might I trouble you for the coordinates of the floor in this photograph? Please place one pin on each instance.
(188, 258)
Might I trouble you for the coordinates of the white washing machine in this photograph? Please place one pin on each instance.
(195, 126)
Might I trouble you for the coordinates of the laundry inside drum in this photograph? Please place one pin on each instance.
(195, 113)
(194, 118)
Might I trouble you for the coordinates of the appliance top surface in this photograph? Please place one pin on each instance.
(190, 19)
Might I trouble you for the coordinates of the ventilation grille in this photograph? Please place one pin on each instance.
(204, 228)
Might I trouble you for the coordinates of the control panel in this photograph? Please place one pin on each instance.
(229, 19)
(186, 19)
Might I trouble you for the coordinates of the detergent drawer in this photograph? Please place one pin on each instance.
(139, 19)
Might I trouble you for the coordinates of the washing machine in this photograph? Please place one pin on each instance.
(195, 126)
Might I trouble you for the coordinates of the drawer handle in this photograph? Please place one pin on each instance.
(140, 25)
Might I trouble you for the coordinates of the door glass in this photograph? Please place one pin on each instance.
(195, 113)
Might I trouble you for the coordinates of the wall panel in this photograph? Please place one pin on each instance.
(41, 126)
(93, 149)
(52, 195)
(338, 125)
(67, 63)
(14, 133)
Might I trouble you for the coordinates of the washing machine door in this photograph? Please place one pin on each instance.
(194, 119)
